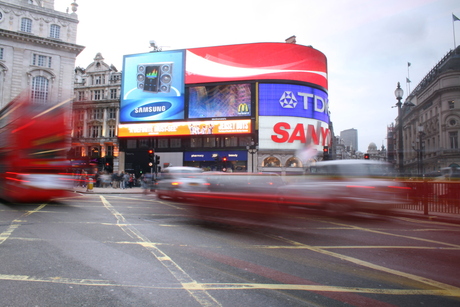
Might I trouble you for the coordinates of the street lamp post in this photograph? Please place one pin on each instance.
(399, 93)
(419, 151)
(252, 149)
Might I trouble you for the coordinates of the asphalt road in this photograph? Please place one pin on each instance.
(135, 250)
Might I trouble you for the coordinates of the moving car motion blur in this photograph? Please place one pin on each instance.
(345, 185)
(177, 182)
(33, 146)
(247, 193)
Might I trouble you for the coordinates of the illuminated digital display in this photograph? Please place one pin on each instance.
(230, 100)
(153, 87)
(293, 100)
(185, 128)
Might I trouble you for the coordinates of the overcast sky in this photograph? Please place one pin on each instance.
(368, 43)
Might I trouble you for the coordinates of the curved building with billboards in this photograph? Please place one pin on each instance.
(248, 107)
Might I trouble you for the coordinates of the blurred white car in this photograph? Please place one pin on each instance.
(176, 182)
(346, 185)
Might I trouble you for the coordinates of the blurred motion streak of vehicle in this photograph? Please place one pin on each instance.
(246, 193)
(342, 186)
(34, 140)
(177, 182)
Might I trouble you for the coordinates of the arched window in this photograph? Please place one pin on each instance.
(272, 162)
(40, 89)
(55, 31)
(293, 162)
(26, 25)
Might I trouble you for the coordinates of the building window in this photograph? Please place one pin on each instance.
(81, 95)
(94, 131)
(293, 162)
(209, 142)
(112, 131)
(245, 140)
(94, 151)
(453, 140)
(96, 113)
(109, 151)
(79, 132)
(55, 31)
(231, 141)
(113, 93)
(175, 143)
(39, 89)
(112, 113)
(26, 25)
(451, 104)
(162, 143)
(272, 162)
(98, 80)
(1, 53)
(97, 95)
(41, 60)
(144, 143)
(196, 142)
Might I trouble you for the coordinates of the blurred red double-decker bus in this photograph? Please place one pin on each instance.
(33, 146)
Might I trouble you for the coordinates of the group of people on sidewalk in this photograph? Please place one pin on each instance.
(120, 180)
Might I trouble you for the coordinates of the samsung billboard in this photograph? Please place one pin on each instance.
(153, 87)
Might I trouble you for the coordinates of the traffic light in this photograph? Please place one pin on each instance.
(157, 160)
(151, 157)
(325, 152)
(224, 159)
(366, 156)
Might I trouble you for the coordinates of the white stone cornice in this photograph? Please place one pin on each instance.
(55, 44)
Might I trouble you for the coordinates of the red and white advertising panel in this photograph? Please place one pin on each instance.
(258, 61)
(208, 127)
(287, 132)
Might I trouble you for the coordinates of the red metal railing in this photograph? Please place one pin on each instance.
(433, 197)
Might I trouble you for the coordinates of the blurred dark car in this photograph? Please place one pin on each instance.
(346, 185)
(177, 182)
(240, 192)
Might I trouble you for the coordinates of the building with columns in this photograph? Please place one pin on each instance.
(431, 126)
(95, 114)
(37, 51)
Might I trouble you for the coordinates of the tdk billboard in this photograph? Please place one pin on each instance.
(153, 87)
(293, 100)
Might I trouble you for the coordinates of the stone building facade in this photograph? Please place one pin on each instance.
(37, 51)
(96, 114)
(431, 127)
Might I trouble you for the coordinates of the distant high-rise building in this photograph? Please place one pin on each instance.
(350, 138)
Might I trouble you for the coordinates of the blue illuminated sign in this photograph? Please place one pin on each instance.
(209, 155)
(152, 87)
(293, 100)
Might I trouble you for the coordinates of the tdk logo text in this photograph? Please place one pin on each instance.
(289, 101)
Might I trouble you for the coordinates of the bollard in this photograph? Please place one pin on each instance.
(89, 187)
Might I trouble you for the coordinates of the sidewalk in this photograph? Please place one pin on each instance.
(109, 190)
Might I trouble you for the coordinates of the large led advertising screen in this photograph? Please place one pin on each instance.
(229, 100)
(208, 127)
(153, 87)
(258, 61)
(293, 100)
